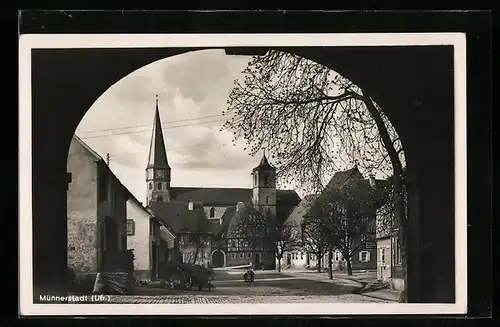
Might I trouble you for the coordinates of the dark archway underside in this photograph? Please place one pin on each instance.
(413, 85)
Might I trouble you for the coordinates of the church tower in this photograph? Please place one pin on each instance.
(264, 186)
(157, 169)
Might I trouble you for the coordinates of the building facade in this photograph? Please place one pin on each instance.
(389, 255)
(153, 243)
(364, 258)
(96, 212)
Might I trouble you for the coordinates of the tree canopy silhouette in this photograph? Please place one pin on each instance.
(314, 122)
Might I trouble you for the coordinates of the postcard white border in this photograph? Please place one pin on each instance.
(28, 42)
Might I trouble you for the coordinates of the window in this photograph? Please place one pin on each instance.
(150, 186)
(233, 256)
(212, 212)
(159, 186)
(249, 254)
(264, 255)
(159, 198)
(130, 227)
(301, 256)
(397, 252)
(242, 255)
(364, 256)
(182, 258)
(267, 200)
(338, 256)
(266, 179)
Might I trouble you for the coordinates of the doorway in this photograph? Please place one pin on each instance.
(257, 260)
(154, 261)
(218, 259)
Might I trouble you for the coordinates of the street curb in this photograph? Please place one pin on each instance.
(377, 297)
(361, 285)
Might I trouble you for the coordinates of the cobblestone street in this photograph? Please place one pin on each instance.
(205, 299)
(267, 288)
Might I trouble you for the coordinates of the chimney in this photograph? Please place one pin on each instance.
(372, 180)
(190, 205)
(240, 206)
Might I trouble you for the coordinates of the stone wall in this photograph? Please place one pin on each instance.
(82, 210)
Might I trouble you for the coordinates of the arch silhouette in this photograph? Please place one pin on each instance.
(420, 107)
(219, 258)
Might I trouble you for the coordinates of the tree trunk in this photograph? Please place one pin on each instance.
(319, 262)
(253, 255)
(330, 264)
(349, 267)
(279, 264)
(398, 185)
(196, 252)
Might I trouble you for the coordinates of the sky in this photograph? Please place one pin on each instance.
(192, 92)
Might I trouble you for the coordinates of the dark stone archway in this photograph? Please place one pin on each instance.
(414, 85)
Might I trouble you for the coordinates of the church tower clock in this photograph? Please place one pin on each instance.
(157, 169)
(264, 186)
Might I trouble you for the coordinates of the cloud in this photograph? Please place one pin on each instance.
(134, 89)
(207, 68)
(192, 92)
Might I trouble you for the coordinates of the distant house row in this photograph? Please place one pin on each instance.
(382, 251)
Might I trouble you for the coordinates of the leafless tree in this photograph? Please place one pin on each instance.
(346, 217)
(314, 240)
(313, 122)
(256, 228)
(200, 240)
(287, 239)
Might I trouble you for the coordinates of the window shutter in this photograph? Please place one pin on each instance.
(360, 256)
(367, 256)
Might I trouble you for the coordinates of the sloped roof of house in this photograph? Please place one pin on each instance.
(102, 162)
(180, 219)
(220, 228)
(239, 214)
(228, 196)
(297, 215)
(351, 176)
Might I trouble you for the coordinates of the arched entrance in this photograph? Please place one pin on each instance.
(218, 258)
(422, 113)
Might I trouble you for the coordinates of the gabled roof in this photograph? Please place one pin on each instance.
(352, 176)
(101, 162)
(228, 196)
(87, 147)
(180, 219)
(157, 153)
(341, 177)
(298, 213)
(218, 228)
(240, 213)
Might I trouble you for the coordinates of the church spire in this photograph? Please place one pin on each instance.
(157, 153)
